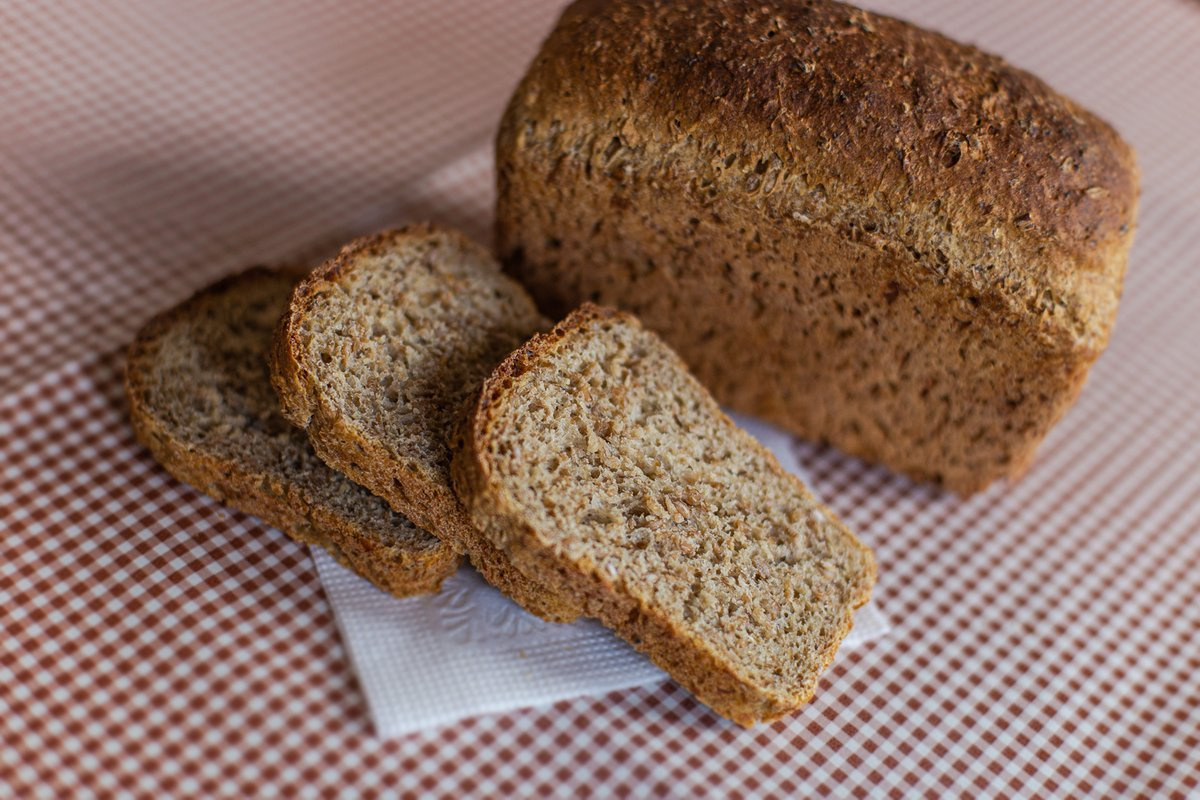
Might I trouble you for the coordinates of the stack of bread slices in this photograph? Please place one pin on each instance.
(405, 404)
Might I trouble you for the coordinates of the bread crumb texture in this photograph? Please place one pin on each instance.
(377, 357)
(201, 401)
(598, 461)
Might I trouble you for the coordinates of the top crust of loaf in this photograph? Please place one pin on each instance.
(676, 528)
(201, 402)
(879, 129)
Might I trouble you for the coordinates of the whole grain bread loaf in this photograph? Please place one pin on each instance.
(594, 460)
(858, 229)
(200, 400)
(376, 357)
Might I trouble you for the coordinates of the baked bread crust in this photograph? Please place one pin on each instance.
(391, 552)
(717, 677)
(858, 229)
(412, 483)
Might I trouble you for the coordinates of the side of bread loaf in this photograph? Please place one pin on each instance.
(377, 354)
(860, 230)
(594, 460)
(200, 400)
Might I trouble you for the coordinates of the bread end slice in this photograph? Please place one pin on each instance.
(199, 398)
(595, 461)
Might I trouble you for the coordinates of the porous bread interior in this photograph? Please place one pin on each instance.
(398, 343)
(622, 466)
(378, 357)
(205, 381)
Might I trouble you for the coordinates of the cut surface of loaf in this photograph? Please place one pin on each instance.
(858, 229)
(201, 401)
(594, 459)
(376, 357)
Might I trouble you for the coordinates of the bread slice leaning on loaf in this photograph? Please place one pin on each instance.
(862, 231)
(200, 400)
(376, 356)
(595, 460)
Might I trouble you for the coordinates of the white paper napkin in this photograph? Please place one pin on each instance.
(468, 650)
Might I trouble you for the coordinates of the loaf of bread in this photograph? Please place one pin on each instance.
(860, 230)
(594, 460)
(200, 400)
(376, 357)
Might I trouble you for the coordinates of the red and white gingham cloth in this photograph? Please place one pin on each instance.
(151, 643)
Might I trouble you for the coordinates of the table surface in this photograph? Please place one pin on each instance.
(152, 643)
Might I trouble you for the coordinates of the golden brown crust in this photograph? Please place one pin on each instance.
(775, 177)
(688, 658)
(397, 570)
(887, 105)
(427, 502)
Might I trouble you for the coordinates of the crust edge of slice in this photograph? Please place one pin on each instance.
(685, 657)
(432, 507)
(276, 502)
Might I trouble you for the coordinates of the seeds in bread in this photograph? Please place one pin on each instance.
(595, 460)
(379, 351)
(201, 401)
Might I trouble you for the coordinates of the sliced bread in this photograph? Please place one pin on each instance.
(200, 400)
(377, 356)
(595, 460)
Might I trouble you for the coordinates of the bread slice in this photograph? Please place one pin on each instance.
(595, 460)
(201, 401)
(377, 356)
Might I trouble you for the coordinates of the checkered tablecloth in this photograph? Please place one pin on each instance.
(153, 644)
